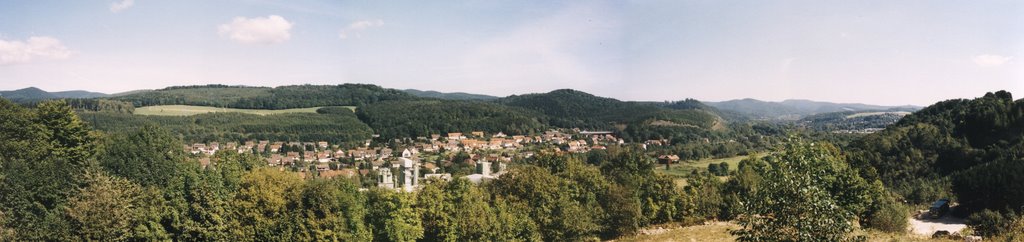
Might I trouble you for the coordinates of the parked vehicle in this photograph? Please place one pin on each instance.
(939, 208)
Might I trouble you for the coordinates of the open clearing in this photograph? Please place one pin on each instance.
(683, 168)
(927, 227)
(680, 170)
(186, 110)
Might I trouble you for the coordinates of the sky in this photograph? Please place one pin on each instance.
(877, 52)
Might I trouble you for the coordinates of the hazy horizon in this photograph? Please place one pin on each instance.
(872, 52)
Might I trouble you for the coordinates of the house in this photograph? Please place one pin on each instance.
(323, 167)
(274, 148)
(292, 157)
(322, 144)
(323, 157)
(346, 173)
(275, 160)
(231, 146)
(455, 136)
(500, 135)
(478, 134)
(668, 160)
(385, 153)
(198, 148)
(407, 153)
(435, 137)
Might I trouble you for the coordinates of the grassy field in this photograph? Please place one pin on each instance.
(684, 168)
(186, 110)
(711, 233)
(720, 232)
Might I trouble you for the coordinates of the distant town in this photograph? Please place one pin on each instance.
(403, 163)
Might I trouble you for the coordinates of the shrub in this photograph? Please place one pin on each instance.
(890, 217)
(987, 222)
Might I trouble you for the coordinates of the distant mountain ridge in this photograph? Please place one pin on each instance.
(794, 109)
(449, 95)
(33, 93)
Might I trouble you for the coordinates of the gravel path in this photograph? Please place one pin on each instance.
(928, 227)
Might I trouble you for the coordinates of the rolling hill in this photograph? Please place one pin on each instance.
(283, 97)
(449, 95)
(35, 94)
(795, 109)
(968, 149)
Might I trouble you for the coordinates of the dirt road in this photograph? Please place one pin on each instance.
(928, 227)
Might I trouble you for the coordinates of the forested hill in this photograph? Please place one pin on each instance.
(449, 95)
(36, 94)
(795, 109)
(282, 97)
(571, 108)
(421, 118)
(970, 149)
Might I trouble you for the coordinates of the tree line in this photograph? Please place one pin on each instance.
(337, 126)
(284, 97)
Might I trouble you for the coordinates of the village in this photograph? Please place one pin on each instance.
(402, 164)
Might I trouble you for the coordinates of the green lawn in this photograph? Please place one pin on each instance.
(186, 110)
(684, 168)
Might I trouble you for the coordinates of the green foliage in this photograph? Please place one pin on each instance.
(43, 158)
(392, 216)
(719, 169)
(459, 211)
(891, 216)
(989, 223)
(331, 210)
(970, 148)
(149, 156)
(284, 97)
(574, 109)
(338, 127)
(449, 96)
(101, 105)
(403, 119)
(997, 184)
(261, 207)
(112, 209)
(807, 194)
(706, 190)
(559, 217)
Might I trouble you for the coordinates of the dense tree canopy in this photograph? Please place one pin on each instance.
(404, 119)
(284, 97)
(335, 127)
(967, 148)
(806, 193)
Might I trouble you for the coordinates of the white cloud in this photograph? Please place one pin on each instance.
(260, 30)
(35, 48)
(991, 60)
(122, 5)
(355, 28)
